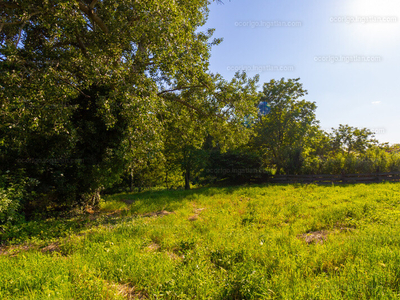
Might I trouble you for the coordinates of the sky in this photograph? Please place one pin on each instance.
(345, 52)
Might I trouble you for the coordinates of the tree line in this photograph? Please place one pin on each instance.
(287, 139)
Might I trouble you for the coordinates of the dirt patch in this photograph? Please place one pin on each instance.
(194, 217)
(196, 214)
(174, 256)
(53, 247)
(158, 213)
(317, 237)
(14, 250)
(345, 227)
(130, 292)
(153, 247)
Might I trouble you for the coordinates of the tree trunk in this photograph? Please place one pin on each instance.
(166, 179)
(187, 179)
(92, 200)
(186, 164)
(131, 180)
(278, 170)
(96, 199)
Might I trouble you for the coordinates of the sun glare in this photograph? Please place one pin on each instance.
(374, 21)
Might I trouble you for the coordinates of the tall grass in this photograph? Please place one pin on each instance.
(258, 242)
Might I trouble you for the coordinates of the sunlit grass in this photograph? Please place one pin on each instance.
(259, 242)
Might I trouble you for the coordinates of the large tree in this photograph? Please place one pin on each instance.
(83, 83)
(282, 135)
(350, 139)
(186, 130)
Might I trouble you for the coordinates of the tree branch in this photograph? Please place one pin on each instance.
(190, 106)
(9, 5)
(81, 45)
(92, 15)
(92, 4)
(69, 83)
(19, 36)
(179, 89)
(12, 23)
(23, 21)
(177, 99)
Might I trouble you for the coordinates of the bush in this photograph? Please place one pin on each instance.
(11, 196)
(234, 166)
(373, 160)
(9, 206)
(312, 165)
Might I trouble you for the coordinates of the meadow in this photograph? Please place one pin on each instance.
(248, 242)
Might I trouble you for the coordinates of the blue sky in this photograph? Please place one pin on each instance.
(292, 39)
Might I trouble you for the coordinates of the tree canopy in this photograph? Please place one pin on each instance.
(86, 86)
(283, 133)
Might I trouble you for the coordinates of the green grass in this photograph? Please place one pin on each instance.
(257, 242)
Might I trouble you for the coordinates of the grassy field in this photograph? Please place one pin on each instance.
(256, 242)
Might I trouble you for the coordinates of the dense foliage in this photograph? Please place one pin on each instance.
(89, 88)
(281, 136)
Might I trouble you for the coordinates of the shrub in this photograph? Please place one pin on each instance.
(234, 166)
(10, 201)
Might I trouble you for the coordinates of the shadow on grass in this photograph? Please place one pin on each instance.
(115, 209)
(170, 200)
(38, 231)
(118, 208)
(125, 207)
